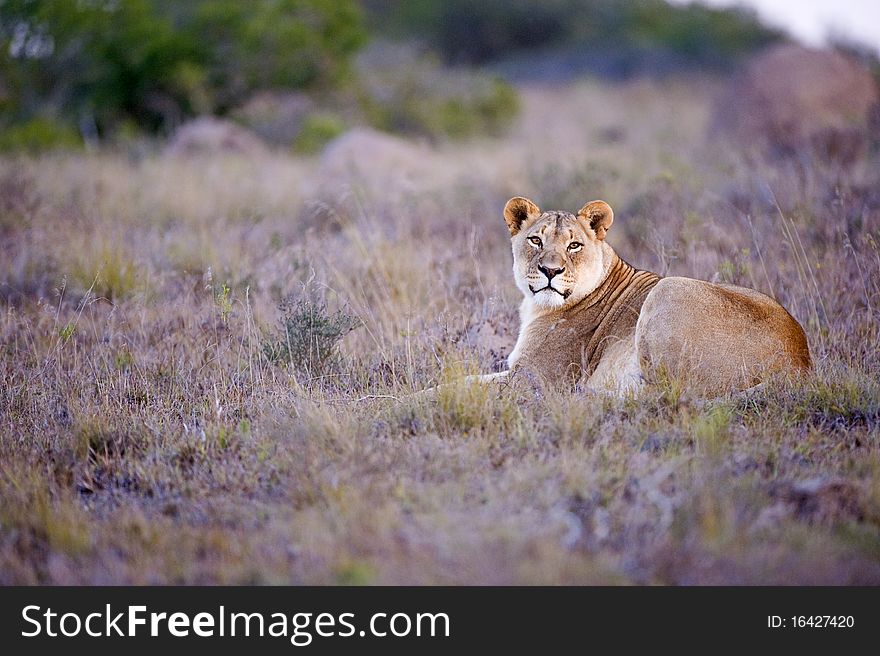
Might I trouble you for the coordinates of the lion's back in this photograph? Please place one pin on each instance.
(723, 336)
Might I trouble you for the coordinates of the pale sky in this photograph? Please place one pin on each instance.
(810, 21)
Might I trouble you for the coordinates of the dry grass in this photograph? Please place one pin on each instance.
(147, 436)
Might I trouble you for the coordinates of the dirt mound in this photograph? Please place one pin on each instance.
(213, 135)
(366, 155)
(792, 97)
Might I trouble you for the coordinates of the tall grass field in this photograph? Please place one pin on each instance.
(206, 362)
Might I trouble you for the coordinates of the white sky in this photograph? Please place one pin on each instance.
(810, 21)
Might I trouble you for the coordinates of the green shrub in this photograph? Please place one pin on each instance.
(37, 135)
(316, 131)
(405, 92)
(481, 31)
(275, 44)
(308, 336)
(156, 62)
(108, 271)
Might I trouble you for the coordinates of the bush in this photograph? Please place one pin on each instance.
(317, 129)
(102, 62)
(308, 336)
(38, 134)
(403, 91)
(481, 31)
(395, 88)
(156, 62)
(275, 44)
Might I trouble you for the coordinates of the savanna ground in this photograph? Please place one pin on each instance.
(171, 410)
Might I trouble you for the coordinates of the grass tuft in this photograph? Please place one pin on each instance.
(308, 336)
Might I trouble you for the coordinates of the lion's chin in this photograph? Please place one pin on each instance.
(550, 297)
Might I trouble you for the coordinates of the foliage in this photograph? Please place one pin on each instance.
(317, 129)
(38, 134)
(410, 92)
(480, 31)
(95, 62)
(395, 88)
(275, 44)
(308, 335)
(156, 62)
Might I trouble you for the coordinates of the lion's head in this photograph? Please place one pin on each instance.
(558, 257)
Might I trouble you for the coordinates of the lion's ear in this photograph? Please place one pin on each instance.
(517, 211)
(598, 215)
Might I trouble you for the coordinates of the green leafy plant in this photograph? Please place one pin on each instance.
(477, 32)
(308, 336)
(38, 134)
(316, 131)
(223, 301)
(153, 63)
(404, 91)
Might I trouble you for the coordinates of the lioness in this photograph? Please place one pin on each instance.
(590, 318)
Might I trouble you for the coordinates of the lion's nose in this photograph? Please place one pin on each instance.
(550, 272)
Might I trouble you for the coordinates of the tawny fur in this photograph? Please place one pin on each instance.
(589, 318)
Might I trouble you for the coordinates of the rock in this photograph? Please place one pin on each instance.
(207, 134)
(790, 98)
(371, 157)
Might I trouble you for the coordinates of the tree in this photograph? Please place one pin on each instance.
(154, 62)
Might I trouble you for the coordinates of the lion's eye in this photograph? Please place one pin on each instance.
(575, 246)
(536, 241)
